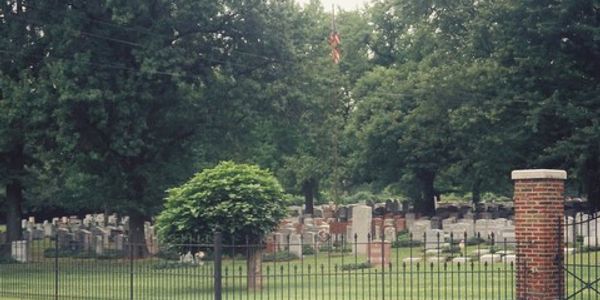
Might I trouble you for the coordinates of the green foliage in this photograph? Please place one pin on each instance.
(403, 239)
(171, 265)
(238, 199)
(279, 256)
(308, 250)
(357, 266)
(472, 241)
(6, 259)
(75, 253)
(168, 254)
(336, 248)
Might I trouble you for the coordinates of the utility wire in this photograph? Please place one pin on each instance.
(107, 65)
(128, 43)
(146, 31)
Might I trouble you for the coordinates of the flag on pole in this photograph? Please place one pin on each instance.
(334, 40)
(334, 43)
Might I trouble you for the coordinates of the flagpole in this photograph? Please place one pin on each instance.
(335, 141)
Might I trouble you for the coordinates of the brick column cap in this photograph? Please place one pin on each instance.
(539, 174)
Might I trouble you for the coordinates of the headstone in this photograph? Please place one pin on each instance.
(436, 223)
(48, 229)
(412, 260)
(437, 259)
(461, 260)
(389, 233)
(379, 253)
(64, 239)
(317, 212)
(119, 242)
(99, 245)
(112, 220)
(419, 228)
(188, 258)
(509, 259)
(400, 223)
(308, 238)
(431, 236)
(409, 220)
(361, 227)
(37, 234)
(85, 237)
(30, 226)
(20, 251)
(490, 258)
(295, 245)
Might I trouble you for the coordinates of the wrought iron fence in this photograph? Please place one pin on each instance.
(331, 267)
(579, 258)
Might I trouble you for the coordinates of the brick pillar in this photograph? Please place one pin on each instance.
(539, 209)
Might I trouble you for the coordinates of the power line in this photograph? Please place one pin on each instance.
(147, 32)
(130, 43)
(108, 65)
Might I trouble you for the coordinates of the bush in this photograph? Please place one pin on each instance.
(403, 240)
(358, 266)
(112, 254)
(73, 253)
(452, 249)
(336, 248)
(472, 241)
(280, 256)
(242, 200)
(166, 265)
(6, 259)
(168, 254)
(308, 250)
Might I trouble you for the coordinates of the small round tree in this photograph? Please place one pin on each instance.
(242, 201)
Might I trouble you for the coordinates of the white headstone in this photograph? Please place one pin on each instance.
(20, 251)
(295, 245)
(361, 227)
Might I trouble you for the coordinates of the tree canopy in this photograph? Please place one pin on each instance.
(107, 104)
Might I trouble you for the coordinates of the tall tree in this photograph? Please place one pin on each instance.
(24, 101)
(146, 86)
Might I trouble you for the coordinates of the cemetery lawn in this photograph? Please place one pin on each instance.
(314, 277)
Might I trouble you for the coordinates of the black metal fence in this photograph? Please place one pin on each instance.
(580, 260)
(326, 267)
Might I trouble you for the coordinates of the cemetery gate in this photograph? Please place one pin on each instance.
(579, 260)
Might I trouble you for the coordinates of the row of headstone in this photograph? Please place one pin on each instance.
(428, 229)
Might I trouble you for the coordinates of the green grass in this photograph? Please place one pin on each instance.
(314, 277)
(2, 228)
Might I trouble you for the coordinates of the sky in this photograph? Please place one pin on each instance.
(345, 4)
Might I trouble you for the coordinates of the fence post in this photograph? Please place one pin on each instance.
(56, 267)
(218, 253)
(539, 203)
(131, 273)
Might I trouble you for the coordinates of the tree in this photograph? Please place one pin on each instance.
(242, 201)
(25, 90)
(145, 88)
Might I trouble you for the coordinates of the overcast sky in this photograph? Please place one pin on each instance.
(345, 4)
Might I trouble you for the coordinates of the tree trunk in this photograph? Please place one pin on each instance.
(14, 194)
(14, 198)
(137, 238)
(254, 264)
(426, 205)
(476, 191)
(308, 189)
(592, 180)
